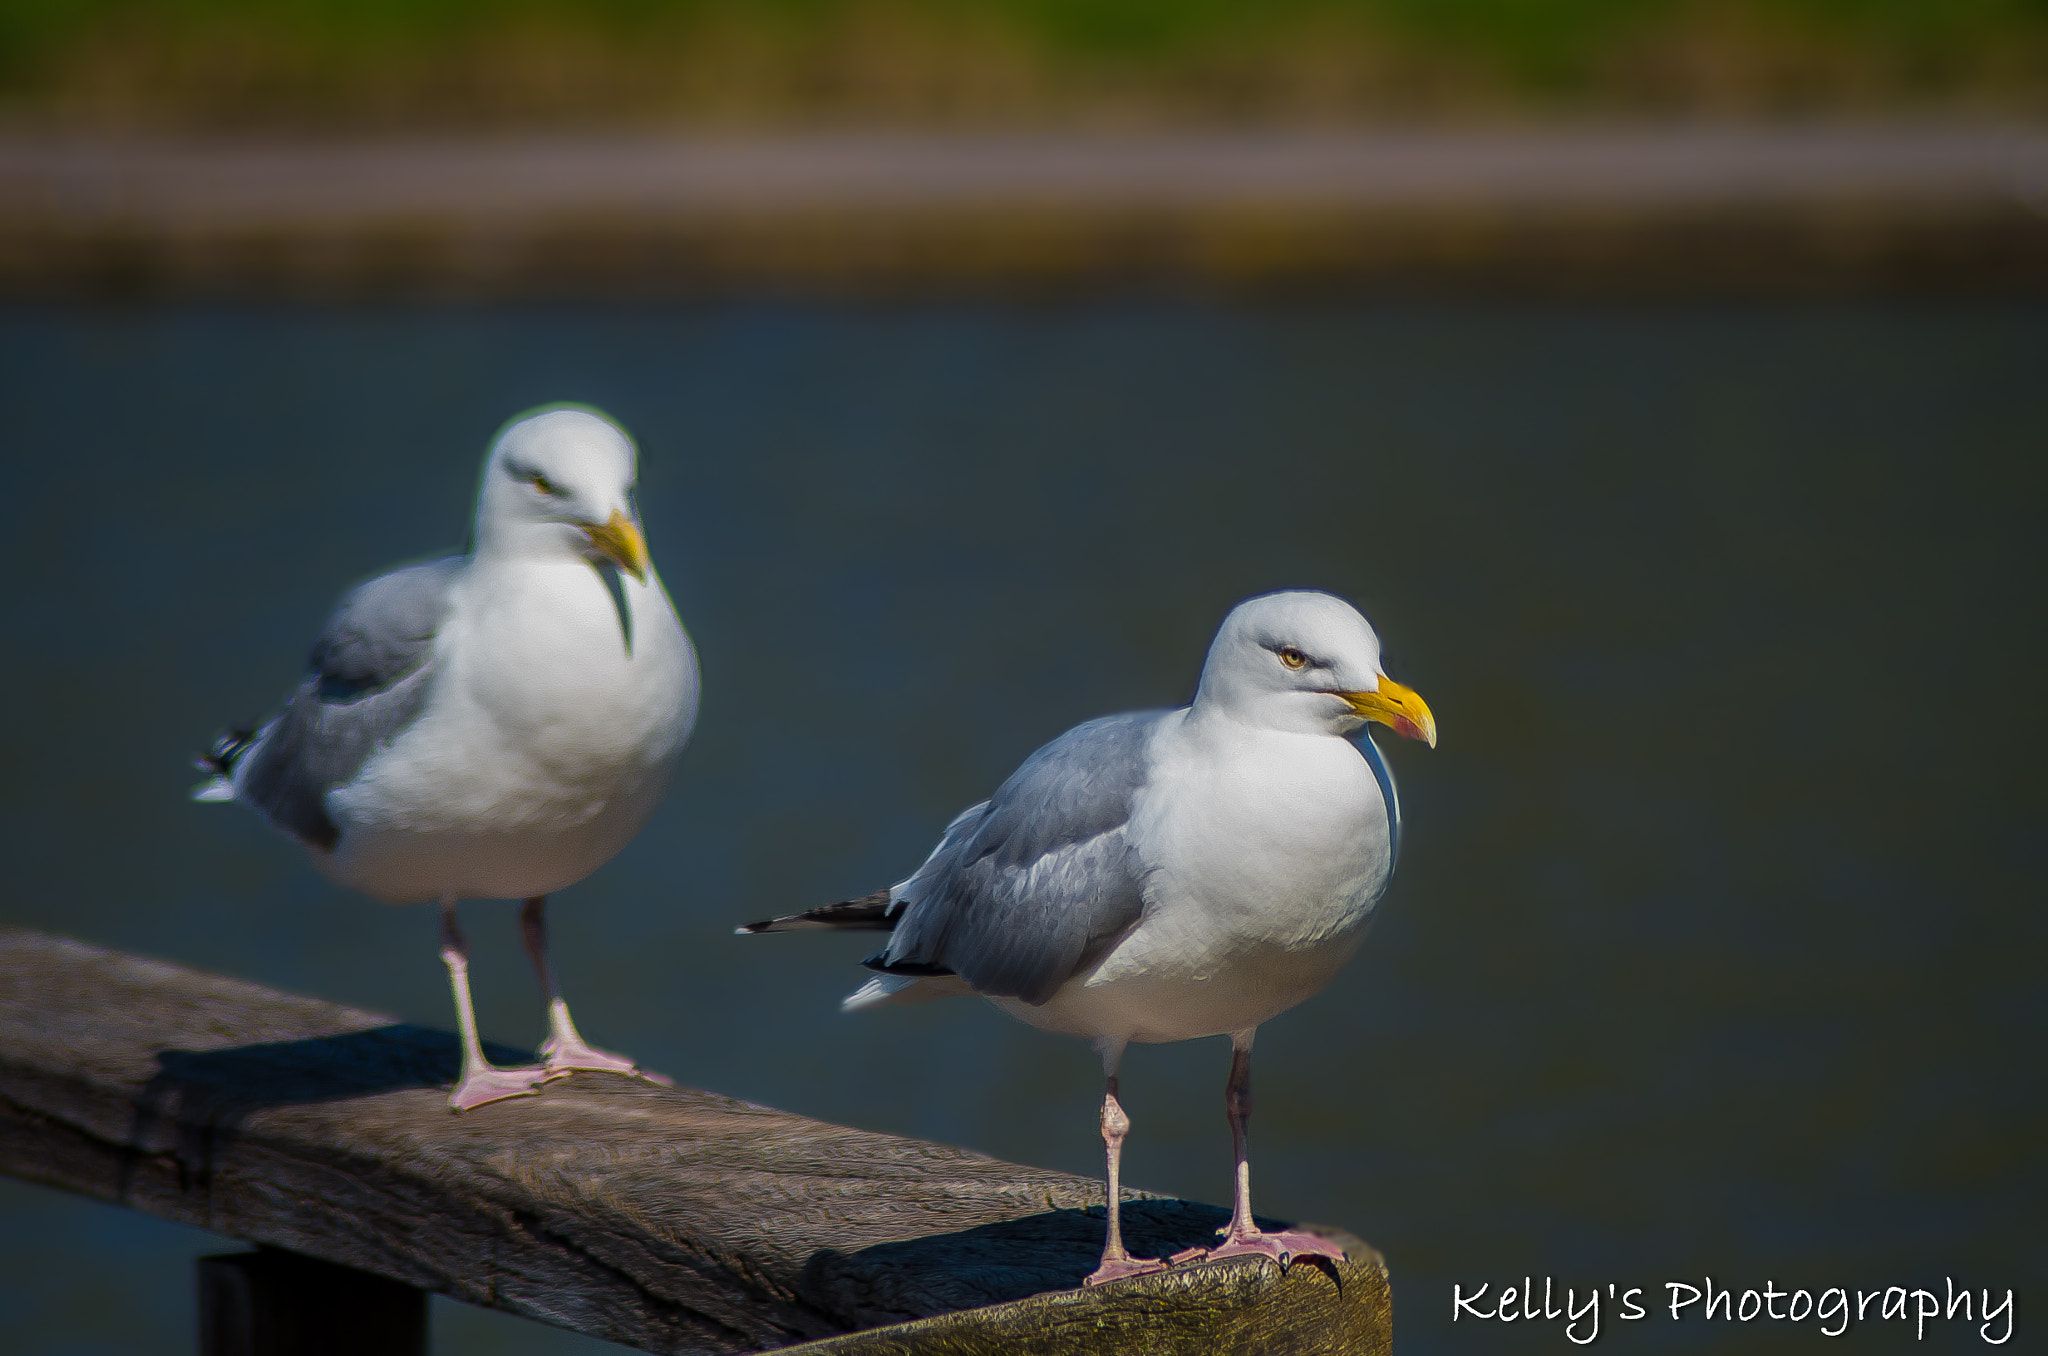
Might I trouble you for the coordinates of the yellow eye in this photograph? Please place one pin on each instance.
(1293, 658)
(543, 484)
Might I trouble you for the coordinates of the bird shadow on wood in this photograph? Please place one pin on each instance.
(994, 1263)
(193, 1106)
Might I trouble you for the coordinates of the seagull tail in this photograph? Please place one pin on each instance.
(220, 760)
(869, 913)
(898, 990)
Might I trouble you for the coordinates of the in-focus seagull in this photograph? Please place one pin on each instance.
(1164, 875)
(495, 725)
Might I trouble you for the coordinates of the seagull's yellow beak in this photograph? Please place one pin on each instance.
(1398, 707)
(620, 540)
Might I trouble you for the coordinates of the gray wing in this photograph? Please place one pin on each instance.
(1028, 887)
(368, 678)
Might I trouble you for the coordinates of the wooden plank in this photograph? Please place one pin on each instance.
(1559, 209)
(667, 1219)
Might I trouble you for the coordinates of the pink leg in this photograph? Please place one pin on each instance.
(565, 1050)
(1241, 1236)
(481, 1082)
(1117, 1263)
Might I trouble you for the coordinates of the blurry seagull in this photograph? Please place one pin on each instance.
(490, 726)
(1164, 875)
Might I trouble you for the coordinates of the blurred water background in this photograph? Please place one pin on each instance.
(1716, 945)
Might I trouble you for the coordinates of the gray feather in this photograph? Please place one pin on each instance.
(1029, 887)
(616, 587)
(369, 679)
(1384, 775)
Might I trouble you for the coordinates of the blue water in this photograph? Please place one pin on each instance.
(1717, 945)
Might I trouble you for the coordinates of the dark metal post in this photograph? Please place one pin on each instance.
(271, 1303)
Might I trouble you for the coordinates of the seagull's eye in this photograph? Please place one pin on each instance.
(543, 484)
(1293, 658)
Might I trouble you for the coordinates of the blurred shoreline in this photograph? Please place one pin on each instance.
(342, 65)
(1600, 208)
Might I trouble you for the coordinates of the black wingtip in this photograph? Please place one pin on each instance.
(882, 965)
(869, 913)
(227, 751)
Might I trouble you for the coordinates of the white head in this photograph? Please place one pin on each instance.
(1306, 662)
(559, 482)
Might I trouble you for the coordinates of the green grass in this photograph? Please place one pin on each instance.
(426, 61)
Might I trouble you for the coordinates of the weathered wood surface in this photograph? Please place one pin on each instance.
(667, 1219)
(1681, 208)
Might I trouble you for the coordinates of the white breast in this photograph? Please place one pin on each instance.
(544, 745)
(1266, 852)
(1265, 836)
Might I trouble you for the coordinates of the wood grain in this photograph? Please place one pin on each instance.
(667, 1219)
